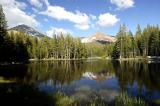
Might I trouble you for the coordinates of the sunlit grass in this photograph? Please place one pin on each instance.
(2, 80)
(125, 100)
(63, 100)
(122, 100)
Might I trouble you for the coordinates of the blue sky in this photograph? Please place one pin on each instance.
(81, 17)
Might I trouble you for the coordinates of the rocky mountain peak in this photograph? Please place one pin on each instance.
(28, 30)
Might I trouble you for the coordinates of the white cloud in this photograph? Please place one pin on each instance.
(82, 26)
(15, 15)
(107, 20)
(54, 30)
(123, 4)
(36, 3)
(93, 17)
(21, 5)
(81, 20)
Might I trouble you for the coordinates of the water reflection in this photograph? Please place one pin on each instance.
(64, 72)
(85, 80)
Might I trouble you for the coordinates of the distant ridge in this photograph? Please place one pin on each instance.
(99, 38)
(28, 30)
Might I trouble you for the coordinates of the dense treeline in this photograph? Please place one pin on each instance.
(59, 47)
(96, 50)
(144, 43)
(10, 51)
(19, 47)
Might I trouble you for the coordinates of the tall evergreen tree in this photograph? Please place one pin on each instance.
(121, 40)
(140, 41)
(146, 36)
(131, 45)
(3, 35)
(116, 51)
(3, 26)
(154, 41)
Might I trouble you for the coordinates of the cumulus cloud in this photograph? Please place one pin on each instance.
(81, 20)
(93, 17)
(21, 5)
(107, 20)
(15, 14)
(55, 30)
(123, 4)
(82, 26)
(36, 3)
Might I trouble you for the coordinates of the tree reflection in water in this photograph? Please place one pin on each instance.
(85, 80)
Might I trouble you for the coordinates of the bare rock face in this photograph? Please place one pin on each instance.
(99, 38)
(28, 30)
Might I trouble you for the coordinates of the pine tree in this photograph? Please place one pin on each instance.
(116, 51)
(3, 26)
(3, 35)
(146, 36)
(154, 41)
(140, 41)
(121, 39)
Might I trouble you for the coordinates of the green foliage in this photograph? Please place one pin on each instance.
(122, 100)
(63, 100)
(119, 49)
(11, 50)
(109, 48)
(3, 26)
(96, 50)
(144, 43)
(125, 100)
(154, 42)
(19, 47)
(139, 41)
(66, 47)
(3, 33)
(116, 51)
(59, 47)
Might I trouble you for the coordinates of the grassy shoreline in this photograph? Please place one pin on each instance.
(99, 58)
(94, 58)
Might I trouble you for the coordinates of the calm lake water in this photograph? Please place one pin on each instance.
(84, 80)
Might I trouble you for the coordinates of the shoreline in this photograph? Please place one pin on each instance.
(54, 59)
(127, 59)
(97, 58)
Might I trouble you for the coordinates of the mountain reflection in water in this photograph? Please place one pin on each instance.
(85, 80)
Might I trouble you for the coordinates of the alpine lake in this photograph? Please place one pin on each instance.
(37, 83)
